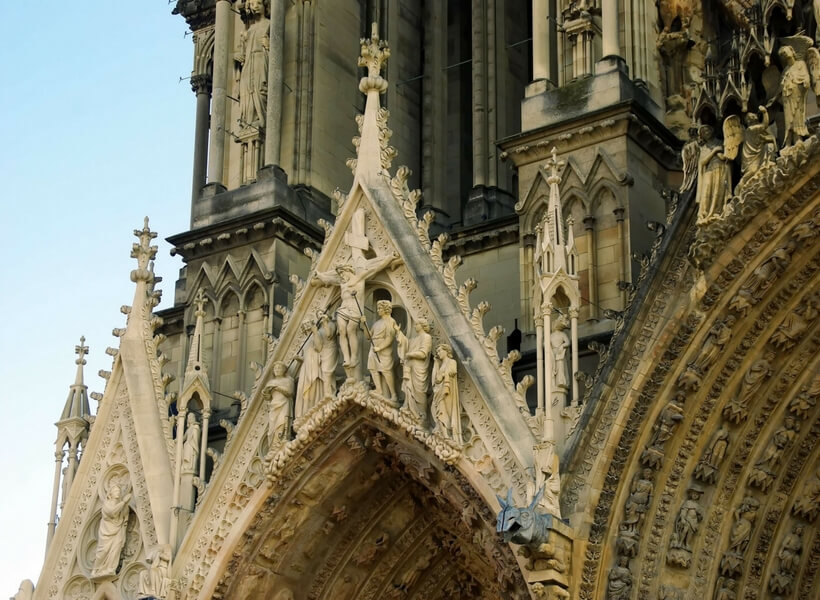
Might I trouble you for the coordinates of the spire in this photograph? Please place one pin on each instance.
(76, 406)
(144, 296)
(374, 154)
(195, 369)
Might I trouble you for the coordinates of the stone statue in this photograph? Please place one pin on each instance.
(719, 334)
(665, 425)
(112, 531)
(638, 501)
(380, 358)
(737, 409)
(153, 581)
(687, 524)
(252, 66)
(279, 390)
(708, 465)
(765, 469)
(547, 478)
(619, 584)
(560, 342)
(309, 390)
(329, 354)
(795, 324)
(522, 525)
(794, 88)
(762, 278)
(25, 591)
(190, 445)
(745, 516)
(725, 589)
(351, 282)
(446, 405)
(782, 580)
(807, 503)
(414, 355)
(714, 186)
(759, 145)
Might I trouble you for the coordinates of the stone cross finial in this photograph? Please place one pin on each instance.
(374, 53)
(81, 351)
(554, 165)
(143, 251)
(200, 301)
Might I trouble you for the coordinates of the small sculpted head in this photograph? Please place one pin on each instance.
(384, 307)
(279, 368)
(423, 325)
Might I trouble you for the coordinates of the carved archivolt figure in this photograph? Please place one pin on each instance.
(112, 531)
(760, 370)
(329, 354)
(153, 582)
(190, 445)
(688, 521)
(280, 389)
(796, 323)
(714, 177)
(619, 586)
(765, 468)
(414, 354)
(725, 589)
(719, 334)
(252, 66)
(351, 282)
(446, 405)
(807, 503)
(638, 501)
(745, 516)
(380, 358)
(309, 390)
(709, 463)
(782, 580)
(668, 420)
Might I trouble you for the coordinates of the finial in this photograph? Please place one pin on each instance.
(554, 165)
(81, 351)
(144, 252)
(200, 301)
(374, 54)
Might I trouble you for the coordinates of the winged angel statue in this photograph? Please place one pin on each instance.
(708, 164)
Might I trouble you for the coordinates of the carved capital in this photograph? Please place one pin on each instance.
(619, 213)
(201, 84)
(589, 222)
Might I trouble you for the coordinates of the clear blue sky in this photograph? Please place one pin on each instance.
(95, 133)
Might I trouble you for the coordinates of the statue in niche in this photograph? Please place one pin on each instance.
(765, 469)
(687, 524)
(414, 354)
(153, 581)
(279, 391)
(745, 516)
(112, 532)
(380, 358)
(446, 405)
(252, 66)
(708, 465)
(796, 323)
(560, 342)
(714, 177)
(329, 354)
(737, 409)
(782, 580)
(619, 584)
(759, 145)
(309, 390)
(351, 282)
(795, 81)
(190, 445)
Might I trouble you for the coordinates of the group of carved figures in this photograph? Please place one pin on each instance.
(311, 376)
(707, 162)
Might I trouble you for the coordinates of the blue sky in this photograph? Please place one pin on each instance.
(96, 131)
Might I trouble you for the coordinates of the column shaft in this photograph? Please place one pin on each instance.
(177, 475)
(203, 104)
(479, 41)
(52, 520)
(273, 118)
(203, 447)
(222, 36)
(540, 40)
(611, 28)
(574, 337)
